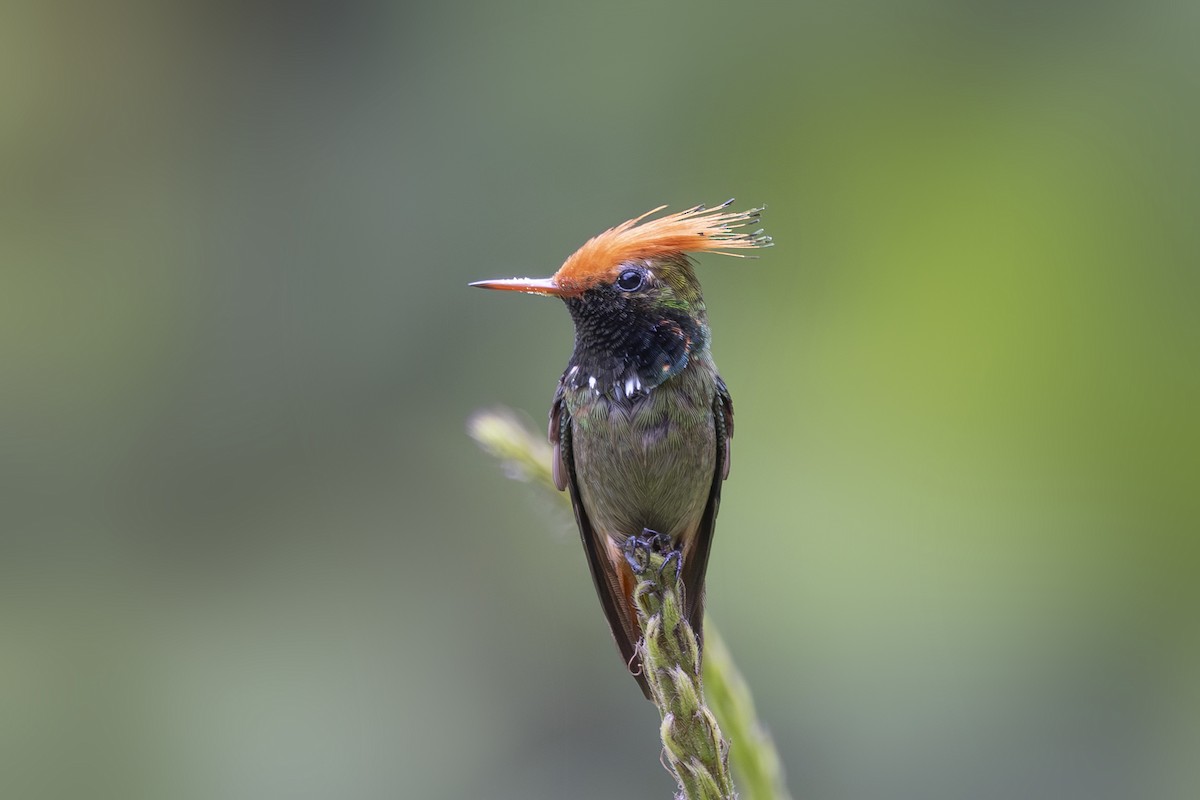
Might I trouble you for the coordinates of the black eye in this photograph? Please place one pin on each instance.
(630, 281)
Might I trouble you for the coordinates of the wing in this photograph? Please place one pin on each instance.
(695, 560)
(613, 585)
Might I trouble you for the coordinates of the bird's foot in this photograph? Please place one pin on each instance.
(673, 556)
(639, 549)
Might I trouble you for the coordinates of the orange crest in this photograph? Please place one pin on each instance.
(696, 230)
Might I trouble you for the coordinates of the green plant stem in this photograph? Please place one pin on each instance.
(526, 456)
(696, 753)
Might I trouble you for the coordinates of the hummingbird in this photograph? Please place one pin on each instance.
(641, 419)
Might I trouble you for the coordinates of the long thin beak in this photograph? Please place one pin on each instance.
(527, 285)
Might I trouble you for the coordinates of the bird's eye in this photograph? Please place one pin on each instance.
(630, 280)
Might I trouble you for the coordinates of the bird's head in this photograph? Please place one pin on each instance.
(634, 296)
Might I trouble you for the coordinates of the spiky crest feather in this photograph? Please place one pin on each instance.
(695, 230)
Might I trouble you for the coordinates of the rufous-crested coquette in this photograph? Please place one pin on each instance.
(641, 420)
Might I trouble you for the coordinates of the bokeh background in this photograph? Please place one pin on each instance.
(248, 551)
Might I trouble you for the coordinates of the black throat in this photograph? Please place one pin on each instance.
(624, 348)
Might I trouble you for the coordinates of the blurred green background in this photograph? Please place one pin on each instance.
(248, 551)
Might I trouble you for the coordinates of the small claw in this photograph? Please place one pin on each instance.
(637, 554)
(677, 557)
